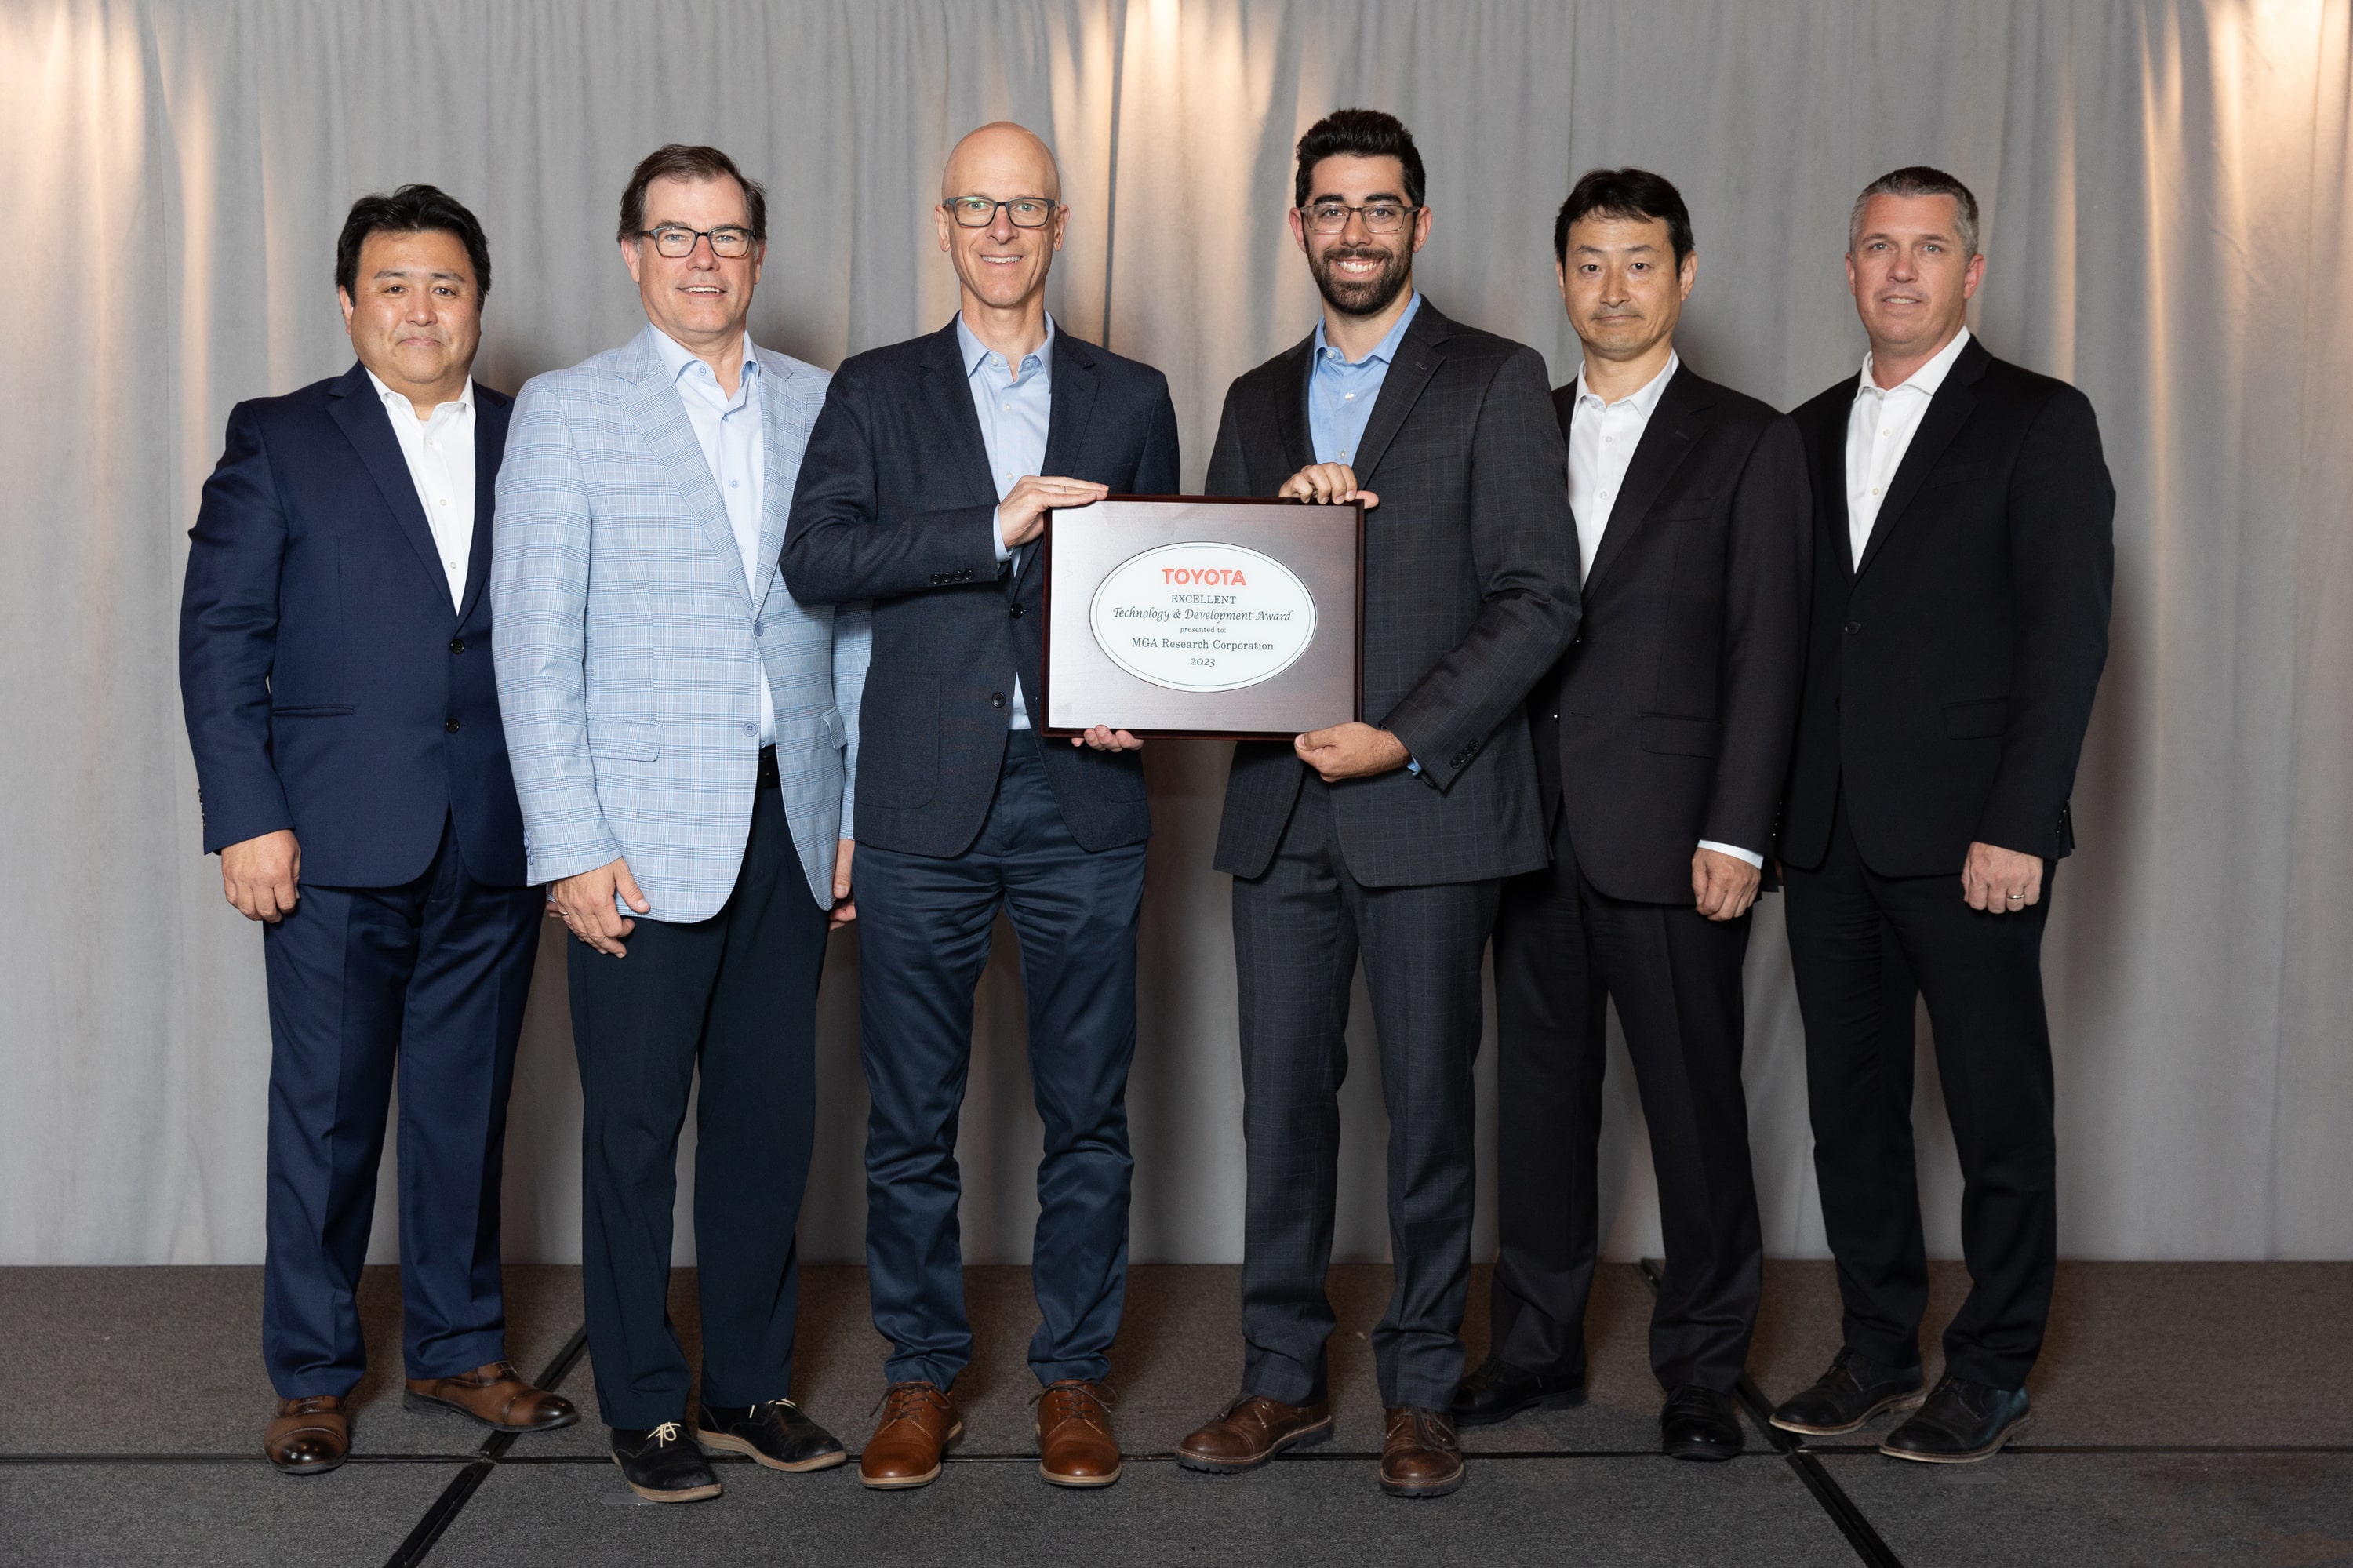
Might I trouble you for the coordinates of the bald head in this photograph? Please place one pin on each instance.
(1002, 159)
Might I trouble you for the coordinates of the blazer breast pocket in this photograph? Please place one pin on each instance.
(1687, 509)
(625, 740)
(312, 710)
(1955, 474)
(1676, 736)
(1986, 719)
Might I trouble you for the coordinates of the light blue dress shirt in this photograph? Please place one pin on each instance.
(1016, 406)
(728, 431)
(1340, 394)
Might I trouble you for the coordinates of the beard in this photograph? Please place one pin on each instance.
(1371, 296)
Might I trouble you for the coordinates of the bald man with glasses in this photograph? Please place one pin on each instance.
(925, 488)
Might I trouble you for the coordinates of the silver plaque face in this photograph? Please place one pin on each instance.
(1190, 616)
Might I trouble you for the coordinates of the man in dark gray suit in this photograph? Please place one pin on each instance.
(1389, 838)
(927, 484)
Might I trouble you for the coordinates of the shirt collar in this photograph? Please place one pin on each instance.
(1925, 380)
(464, 401)
(1384, 351)
(678, 359)
(977, 353)
(1644, 399)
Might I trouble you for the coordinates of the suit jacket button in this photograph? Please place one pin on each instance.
(1014, 610)
(450, 725)
(1853, 627)
(751, 729)
(457, 645)
(996, 699)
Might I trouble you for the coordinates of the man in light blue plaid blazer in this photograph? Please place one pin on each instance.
(683, 736)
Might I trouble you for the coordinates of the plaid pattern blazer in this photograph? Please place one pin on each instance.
(627, 638)
(1470, 596)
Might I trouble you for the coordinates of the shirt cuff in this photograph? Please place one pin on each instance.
(997, 535)
(1735, 852)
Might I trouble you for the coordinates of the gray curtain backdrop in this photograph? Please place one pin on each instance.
(2166, 189)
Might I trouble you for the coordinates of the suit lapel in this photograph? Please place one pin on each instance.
(1674, 429)
(947, 383)
(1826, 453)
(490, 443)
(1418, 355)
(1071, 404)
(1291, 413)
(777, 441)
(1948, 411)
(354, 403)
(652, 402)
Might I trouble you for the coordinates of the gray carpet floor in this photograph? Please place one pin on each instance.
(2159, 1381)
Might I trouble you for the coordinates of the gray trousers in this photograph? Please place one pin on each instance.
(1299, 929)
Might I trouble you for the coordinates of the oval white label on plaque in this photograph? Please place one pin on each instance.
(1203, 617)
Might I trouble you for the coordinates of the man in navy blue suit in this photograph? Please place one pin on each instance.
(336, 671)
(925, 489)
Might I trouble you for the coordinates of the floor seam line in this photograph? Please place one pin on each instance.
(462, 1486)
(1831, 1497)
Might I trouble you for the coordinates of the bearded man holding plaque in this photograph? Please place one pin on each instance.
(925, 488)
(1389, 838)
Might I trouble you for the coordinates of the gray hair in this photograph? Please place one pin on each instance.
(1919, 180)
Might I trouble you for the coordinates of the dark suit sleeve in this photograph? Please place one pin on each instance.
(229, 640)
(1160, 471)
(1523, 547)
(2062, 518)
(839, 548)
(1768, 571)
(1228, 473)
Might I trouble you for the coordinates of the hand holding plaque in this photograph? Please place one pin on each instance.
(1194, 616)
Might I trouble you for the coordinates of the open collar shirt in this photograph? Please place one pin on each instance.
(736, 447)
(439, 452)
(1015, 405)
(1341, 392)
(1879, 430)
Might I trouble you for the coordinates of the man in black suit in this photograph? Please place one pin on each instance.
(1389, 838)
(336, 672)
(1963, 569)
(926, 483)
(1662, 738)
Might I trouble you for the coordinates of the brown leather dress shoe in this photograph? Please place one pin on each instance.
(308, 1435)
(1075, 1447)
(1420, 1458)
(919, 1423)
(1253, 1430)
(495, 1396)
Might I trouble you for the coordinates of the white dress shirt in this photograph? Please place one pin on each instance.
(736, 449)
(1601, 441)
(1016, 406)
(1879, 430)
(439, 452)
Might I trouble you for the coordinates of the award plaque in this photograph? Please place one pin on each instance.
(1187, 615)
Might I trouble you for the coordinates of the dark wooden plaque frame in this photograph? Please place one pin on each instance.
(1046, 609)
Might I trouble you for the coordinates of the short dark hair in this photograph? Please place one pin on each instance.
(677, 161)
(1357, 133)
(1624, 193)
(411, 209)
(1920, 180)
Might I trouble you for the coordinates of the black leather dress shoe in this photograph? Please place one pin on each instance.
(1498, 1390)
(774, 1434)
(662, 1463)
(1961, 1423)
(1699, 1424)
(1849, 1394)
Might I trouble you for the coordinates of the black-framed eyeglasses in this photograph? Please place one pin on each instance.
(1380, 217)
(979, 212)
(675, 239)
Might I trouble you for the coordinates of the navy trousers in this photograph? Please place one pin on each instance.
(427, 979)
(736, 994)
(924, 939)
